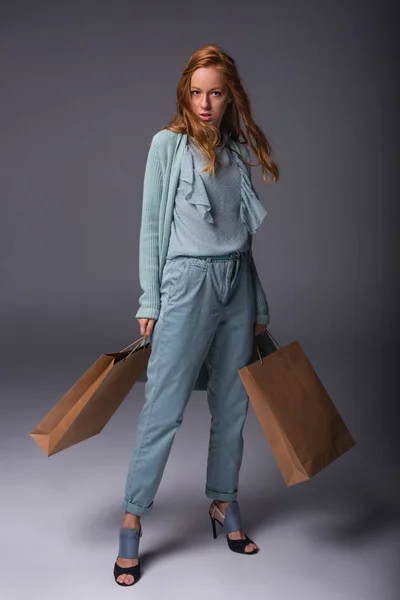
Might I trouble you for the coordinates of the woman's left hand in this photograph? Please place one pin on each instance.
(259, 328)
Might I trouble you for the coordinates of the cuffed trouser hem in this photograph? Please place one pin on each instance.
(214, 495)
(136, 509)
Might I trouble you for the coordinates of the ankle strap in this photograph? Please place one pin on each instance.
(232, 521)
(128, 543)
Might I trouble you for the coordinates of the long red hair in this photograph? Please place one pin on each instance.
(206, 135)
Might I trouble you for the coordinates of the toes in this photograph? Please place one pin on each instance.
(127, 579)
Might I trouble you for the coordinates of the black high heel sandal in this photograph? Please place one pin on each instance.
(129, 539)
(231, 522)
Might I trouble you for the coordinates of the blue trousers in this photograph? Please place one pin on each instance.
(207, 314)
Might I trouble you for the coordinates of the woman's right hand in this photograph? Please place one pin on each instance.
(146, 326)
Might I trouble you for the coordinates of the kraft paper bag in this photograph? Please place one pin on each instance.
(90, 403)
(298, 417)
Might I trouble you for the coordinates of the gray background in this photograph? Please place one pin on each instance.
(84, 87)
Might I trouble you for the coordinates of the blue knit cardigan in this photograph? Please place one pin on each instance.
(161, 180)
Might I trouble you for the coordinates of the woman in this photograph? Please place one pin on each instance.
(202, 300)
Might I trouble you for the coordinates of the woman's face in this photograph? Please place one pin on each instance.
(209, 95)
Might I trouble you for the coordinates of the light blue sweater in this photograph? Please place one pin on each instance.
(213, 214)
(161, 181)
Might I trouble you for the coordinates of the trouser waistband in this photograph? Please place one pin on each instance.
(230, 256)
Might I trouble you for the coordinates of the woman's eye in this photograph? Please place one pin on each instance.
(196, 91)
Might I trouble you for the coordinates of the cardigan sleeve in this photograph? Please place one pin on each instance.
(149, 301)
(262, 307)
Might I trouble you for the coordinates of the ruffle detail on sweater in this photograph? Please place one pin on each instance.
(252, 212)
(193, 181)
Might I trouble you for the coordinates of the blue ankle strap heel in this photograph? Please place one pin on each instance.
(231, 521)
(128, 548)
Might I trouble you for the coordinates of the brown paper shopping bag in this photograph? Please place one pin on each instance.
(90, 403)
(298, 417)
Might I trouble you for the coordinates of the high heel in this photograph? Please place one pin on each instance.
(231, 521)
(213, 526)
(129, 539)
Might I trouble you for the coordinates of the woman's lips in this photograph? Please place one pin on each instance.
(205, 117)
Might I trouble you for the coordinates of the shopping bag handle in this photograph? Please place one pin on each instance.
(137, 345)
(138, 340)
(276, 342)
(271, 336)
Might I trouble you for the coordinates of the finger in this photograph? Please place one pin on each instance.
(143, 326)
